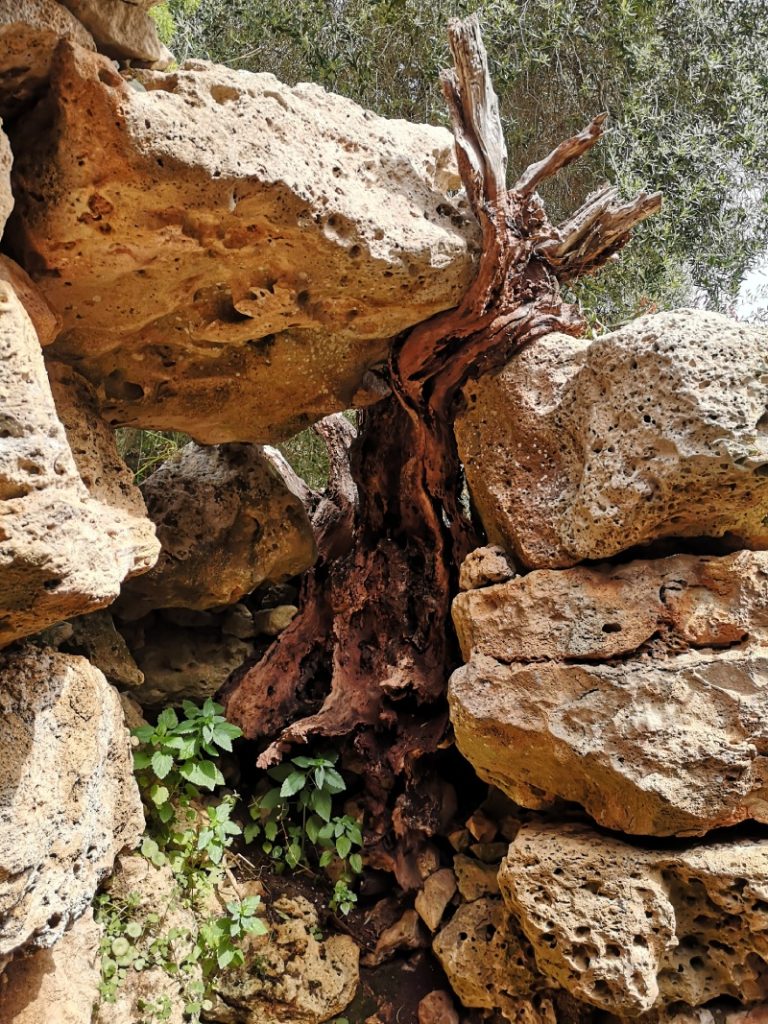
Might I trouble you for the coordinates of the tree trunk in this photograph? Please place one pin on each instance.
(370, 653)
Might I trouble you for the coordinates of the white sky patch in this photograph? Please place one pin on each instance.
(752, 300)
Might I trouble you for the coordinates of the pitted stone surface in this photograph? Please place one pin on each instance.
(631, 929)
(68, 798)
(580, 449)
(47, 324)
(30, 31)
(6, 195)
(62, 551)
(227, 523)
(238, 293)
(638, 691)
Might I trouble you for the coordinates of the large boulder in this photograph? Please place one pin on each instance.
(579, 449)
(639, 691)
(230, 255)
(30, 31)
(62, 551)
(122, 30)
(47, 324)
(226, 522)
(630, 929)
(68, 799)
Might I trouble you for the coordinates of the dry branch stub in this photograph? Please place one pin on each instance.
(370, 652)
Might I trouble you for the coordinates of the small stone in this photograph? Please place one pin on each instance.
(272, 621)
(238, 621)
(435, 896)
(437, 1008)
(406, 933)
(486, 566)
(121, 30)
(475, 878)
(482, 827)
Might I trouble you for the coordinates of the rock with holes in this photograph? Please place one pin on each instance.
(65, 978)
(237, 292)
(580, 449)
(292, 974)
(122, 30)
(630, 929)
(68, 799)
(227, 523)
(639, 691)
(63, 550)
(30, 31)
(179, 663)
(47, 324)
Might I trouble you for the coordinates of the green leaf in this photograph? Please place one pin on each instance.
(161, 764)
(165, 813)
(159, 795)
(334, 782)
(326, 858)
(270, 830)
(343, 846)
(293, 855)
(251, 832)
(322, 802)
(292, 784)
(133, 929)
(149, 847)
(303, 762)
(202, 773)
(356, 862)
(144, 733)
(167, 719)
(270, 800)
(141, 759)
(312, 828)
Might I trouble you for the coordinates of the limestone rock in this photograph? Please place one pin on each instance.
(474, 878)
(272, 621)
(254, 285)
(629, 929)
(94, 636)
(6, 195)
(99, 464)
(487, 959)
(68, 800)
(226, 522)
(580, 449)
(437, 1008)
(434, 897)
(183, 664)
(30, 31)
(638, 691)
(121, 30)
(62, 552)
(485, 566)
(64, 978)
(300, 978)
(152, 891)
(47, 324)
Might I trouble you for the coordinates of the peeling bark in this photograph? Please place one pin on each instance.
(370, 652)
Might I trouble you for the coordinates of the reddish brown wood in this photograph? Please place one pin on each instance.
(371, 651)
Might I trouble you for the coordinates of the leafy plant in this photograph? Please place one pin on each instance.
(219, 937)
(295, 825)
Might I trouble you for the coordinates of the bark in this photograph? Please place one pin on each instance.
(370, 653)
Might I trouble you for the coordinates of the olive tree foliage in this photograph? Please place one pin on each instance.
(683, 81)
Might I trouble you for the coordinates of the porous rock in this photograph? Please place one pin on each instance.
(6, 195)
(435, 895)
(639, 691)
(255, 282)
(226, 522)
(95, 637)
(485, 566)
(629, 929)
(579, 449)
(30, 31)
(47, 324)
(68, 799)
(182, 664)
(121, 30)
(152, 891)
(300, 978)
(64, 979)
(62, 551)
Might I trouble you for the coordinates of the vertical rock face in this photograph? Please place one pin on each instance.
(68, 800)
(581, 449)
(638, 691)
(30, 31)
(62, 552)
(227, 522)
(6, 196)
(628, 930)
(230, 255)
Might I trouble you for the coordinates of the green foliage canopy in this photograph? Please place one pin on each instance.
(681, 79)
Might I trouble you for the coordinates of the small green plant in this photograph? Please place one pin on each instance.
(189, 832)
(295, 825)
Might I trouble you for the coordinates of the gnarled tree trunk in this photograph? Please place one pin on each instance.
(369, 655)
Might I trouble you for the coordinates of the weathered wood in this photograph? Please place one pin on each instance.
(369, 655)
